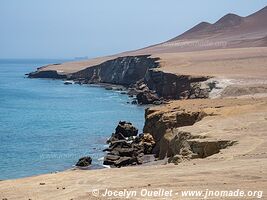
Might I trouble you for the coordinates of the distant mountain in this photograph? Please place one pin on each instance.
(229, 25)
(231, 31)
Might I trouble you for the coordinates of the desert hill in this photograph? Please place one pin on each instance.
(233, 46)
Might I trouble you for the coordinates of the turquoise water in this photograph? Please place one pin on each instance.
(45, 126)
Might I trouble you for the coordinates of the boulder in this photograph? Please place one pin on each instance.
(84, 161)
(126, 129)
(126, 148)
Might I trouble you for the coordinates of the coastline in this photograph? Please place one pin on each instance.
(205, 121)
(239, 165)
(218, 125)
(159, 88)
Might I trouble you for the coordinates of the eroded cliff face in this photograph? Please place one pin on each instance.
(166, 124)
(160, 124)
(141, 75)
(172, 86)
(122, 71)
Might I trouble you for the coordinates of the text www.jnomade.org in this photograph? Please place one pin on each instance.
(165, 193)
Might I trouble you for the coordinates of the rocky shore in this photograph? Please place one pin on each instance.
(147, 84)
(142, 77)
(126, 147)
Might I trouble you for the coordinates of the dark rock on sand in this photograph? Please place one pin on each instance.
(84, 161)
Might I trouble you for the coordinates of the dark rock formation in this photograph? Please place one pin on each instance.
(46, 74)
(122, 70)
(126, 129)
(124, 151)
(171, 86)
(84, 161)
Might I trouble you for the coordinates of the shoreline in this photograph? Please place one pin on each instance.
(201, 87)
(241, 164)
(213, 107)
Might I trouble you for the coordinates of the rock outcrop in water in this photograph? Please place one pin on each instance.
(84, 161)
(126, 148)
(47, 74)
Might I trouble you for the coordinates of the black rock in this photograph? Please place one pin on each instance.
(126, 129)
(128, 150)
(46, 74)
(84, 161)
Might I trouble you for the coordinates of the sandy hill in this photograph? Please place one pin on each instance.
(231, 31)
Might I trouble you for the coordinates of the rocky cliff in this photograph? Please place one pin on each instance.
(172, 86)
(172, 128)
(122, 70)
(141, 74)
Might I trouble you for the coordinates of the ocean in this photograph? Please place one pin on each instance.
(46, 126)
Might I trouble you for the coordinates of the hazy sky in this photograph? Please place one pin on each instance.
(71, 28)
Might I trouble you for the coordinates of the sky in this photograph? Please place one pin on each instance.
(76, 28)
